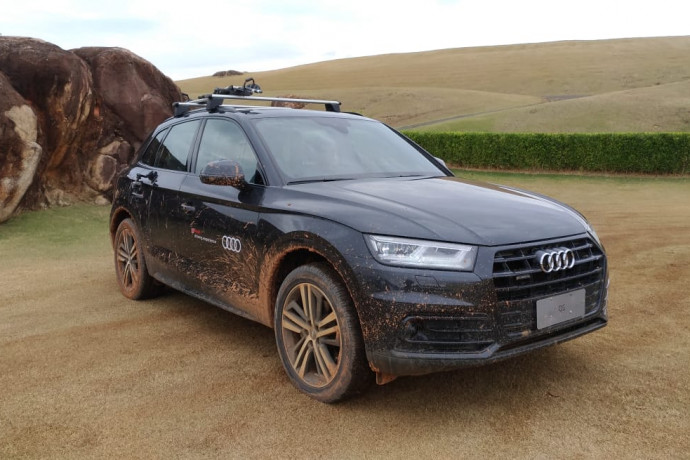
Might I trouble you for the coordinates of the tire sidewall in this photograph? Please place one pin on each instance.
(342, 304)
(137, 291)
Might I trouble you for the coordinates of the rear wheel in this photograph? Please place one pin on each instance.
(318, 335)
(130, 265)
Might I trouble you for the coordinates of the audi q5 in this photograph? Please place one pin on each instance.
(362, 251)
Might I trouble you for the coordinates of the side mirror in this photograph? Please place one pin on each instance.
(224, 172)
(440, 160)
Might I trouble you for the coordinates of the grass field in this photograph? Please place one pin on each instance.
(661, 108)
(626, 85)
(88, 373)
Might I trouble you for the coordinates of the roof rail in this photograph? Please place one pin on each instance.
(213, 101)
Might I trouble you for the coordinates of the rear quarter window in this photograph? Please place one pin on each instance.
(149, 155)
(177, 146)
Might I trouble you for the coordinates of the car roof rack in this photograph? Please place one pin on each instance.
(213, 102)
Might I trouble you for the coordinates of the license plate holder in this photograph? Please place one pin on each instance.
(560, 308)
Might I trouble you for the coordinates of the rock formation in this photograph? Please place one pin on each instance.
(227, 73)
(292, 105)
(71, 120)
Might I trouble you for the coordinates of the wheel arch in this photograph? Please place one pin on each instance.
(301, 250)
(116, 217)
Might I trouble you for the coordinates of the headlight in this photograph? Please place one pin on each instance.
(406, 252)
(589, 228)
(594, 235)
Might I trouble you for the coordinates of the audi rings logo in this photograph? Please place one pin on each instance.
(556, 260)
(231, 244)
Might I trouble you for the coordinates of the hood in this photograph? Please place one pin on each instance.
(445, 209)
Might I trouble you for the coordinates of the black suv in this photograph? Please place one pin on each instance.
(363, 251)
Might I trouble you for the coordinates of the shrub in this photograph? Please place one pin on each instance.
(644, 153)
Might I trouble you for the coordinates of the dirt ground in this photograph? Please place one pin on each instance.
(85, 372)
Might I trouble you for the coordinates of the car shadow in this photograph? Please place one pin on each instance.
(548, 374)
(505, 389)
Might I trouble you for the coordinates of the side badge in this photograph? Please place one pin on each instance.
(232, 244)
(197, 233)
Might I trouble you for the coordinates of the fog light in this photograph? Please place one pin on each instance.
(411, 329)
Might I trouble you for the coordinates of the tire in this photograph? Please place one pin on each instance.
(320, 345)
(130, 265)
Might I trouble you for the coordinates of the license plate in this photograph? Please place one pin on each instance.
(560, 308)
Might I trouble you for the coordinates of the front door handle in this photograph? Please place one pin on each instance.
(137, 191)
(187, 208)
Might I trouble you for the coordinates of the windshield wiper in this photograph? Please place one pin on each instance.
(319, 179)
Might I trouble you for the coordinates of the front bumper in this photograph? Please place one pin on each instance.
(421, 322)
(397, 362)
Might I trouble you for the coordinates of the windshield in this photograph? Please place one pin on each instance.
(327, 148)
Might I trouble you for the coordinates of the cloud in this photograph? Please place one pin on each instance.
(268, 34)
(94, 32)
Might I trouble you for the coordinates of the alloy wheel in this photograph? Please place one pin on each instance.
(311, 334)
(128, 259)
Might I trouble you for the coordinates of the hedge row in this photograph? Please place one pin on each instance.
(663, 153)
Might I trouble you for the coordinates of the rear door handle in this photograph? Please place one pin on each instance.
(187, 208)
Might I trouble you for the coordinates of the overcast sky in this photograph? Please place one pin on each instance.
(198, 37)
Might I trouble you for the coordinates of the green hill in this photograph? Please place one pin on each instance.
(640, 84)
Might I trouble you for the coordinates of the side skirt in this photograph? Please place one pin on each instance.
(201, 296)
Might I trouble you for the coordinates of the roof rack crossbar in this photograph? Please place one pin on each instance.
(213, 101)
(180, 108)
(278, 99)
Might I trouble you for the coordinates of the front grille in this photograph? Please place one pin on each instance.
(517, 274)
(520, 281)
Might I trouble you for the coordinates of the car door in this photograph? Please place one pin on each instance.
(143, 176)
(166, 217)
(222, 238)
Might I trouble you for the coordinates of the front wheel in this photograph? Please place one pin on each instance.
(318, 335)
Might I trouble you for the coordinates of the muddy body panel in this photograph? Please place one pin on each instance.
(421, 321)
